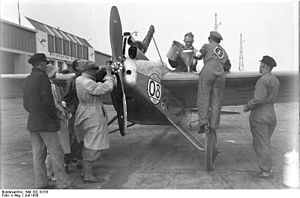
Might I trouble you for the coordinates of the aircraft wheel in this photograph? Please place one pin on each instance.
(210, 151)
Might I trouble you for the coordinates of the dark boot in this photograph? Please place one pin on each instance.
(203, 128)
(264, 174)
(87, 173)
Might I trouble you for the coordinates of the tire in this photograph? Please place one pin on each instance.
(210, 151)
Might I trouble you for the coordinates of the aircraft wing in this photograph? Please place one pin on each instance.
(12, 85)
(239, 87)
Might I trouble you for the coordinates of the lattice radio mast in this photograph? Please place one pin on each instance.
(19, 15)
(241, 59)
(216, 23)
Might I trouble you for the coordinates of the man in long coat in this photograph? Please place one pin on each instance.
(43, 124)
(91, 118)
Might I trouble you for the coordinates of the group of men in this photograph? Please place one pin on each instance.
(89, 120)
(44, 121)
(211, 87)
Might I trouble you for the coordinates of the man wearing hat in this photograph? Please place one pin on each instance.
(70, 97)
(43, 124)
(64, 115)
(211, 83)
(177, 60)
(263, 117)
(91, 124)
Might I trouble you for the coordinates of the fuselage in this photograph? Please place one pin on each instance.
(183, 86)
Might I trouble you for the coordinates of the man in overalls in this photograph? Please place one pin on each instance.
(263, 117)
(211, 82)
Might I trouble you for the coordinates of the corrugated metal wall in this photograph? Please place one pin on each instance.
(17, 38)
(6, 63)
(101, 58)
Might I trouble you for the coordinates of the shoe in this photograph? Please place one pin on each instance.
(203, 128)
(264, 174)
(51, 177)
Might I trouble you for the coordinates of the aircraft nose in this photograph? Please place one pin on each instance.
(130, 74)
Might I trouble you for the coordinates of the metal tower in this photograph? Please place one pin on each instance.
(216, 23)
(19, 15)
(241, 59)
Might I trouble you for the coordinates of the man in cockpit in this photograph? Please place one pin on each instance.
(180, 56)
(142, 45)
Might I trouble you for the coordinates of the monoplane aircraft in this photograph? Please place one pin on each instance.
(147, 92)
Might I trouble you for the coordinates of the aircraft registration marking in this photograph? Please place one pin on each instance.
(154, 88)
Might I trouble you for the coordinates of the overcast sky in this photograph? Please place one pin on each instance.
(268, 27)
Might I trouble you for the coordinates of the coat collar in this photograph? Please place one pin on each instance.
(34, 70)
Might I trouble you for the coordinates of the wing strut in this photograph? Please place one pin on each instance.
(177, 116)
(163, 100)
(187, 135)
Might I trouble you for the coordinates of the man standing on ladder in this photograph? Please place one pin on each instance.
(211, 83)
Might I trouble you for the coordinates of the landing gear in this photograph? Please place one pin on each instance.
(211, 150)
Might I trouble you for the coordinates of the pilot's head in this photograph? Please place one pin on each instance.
(39, 60)
(188, 39)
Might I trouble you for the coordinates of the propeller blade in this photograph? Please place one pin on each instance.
(119, 102)
(115, 33)
(118, 93)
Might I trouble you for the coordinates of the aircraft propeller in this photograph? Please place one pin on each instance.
(118, 94)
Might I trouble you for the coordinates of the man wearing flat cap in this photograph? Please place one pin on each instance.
(263, 117)
(211, 83)
(91, 124)
(43, 124)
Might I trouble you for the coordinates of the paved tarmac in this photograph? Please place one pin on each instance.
(157, 157)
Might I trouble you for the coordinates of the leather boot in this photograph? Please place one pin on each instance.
(203, 128)
(88, 174)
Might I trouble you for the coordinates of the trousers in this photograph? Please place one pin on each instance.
(262, 126)
(91, 155)
(210, 97)
(41, 142)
